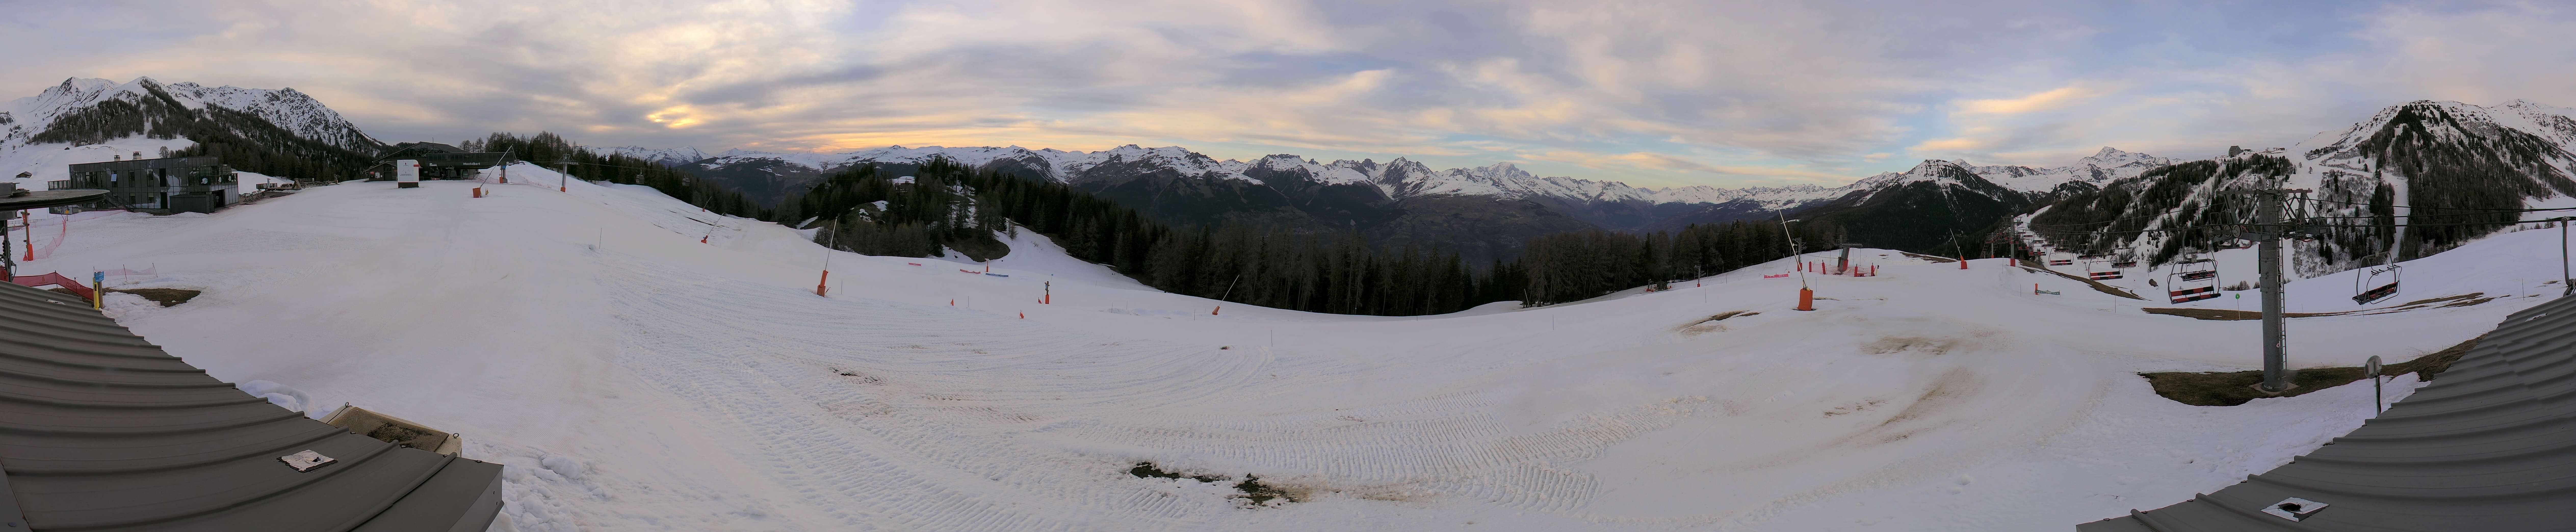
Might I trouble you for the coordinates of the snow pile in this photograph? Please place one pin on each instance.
(633, 378)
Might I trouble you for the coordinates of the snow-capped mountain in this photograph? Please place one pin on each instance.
(668, 156)
(88, 120)
(287, 108)
(2439, 174)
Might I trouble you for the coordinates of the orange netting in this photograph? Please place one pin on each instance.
(55, 279)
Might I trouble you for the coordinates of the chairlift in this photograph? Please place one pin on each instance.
(2381, 281)
(2192, 280)
(2098, 268)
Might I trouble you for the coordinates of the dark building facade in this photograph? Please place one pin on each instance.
(171, 184)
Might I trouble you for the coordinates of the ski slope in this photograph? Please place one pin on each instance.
(633, 378)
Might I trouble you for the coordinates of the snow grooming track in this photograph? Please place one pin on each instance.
(888, 433)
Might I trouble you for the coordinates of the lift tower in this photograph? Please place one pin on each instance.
(2269, 230)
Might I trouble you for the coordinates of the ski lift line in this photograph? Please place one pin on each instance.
(2446, 208)
(2251, 225)
(2113, 220)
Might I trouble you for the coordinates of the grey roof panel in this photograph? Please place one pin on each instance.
(101, 430)
(2489, 446)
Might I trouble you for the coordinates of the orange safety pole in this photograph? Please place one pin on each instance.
(1806, 299)
(819, 284)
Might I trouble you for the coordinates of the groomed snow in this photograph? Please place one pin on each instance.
(633, 378)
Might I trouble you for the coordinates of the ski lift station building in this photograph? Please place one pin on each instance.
(437, 161)
(166, 184)
(102, 431)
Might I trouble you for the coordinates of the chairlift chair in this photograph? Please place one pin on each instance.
(2060, 258)
(2098, 268)
(2192, 280)
(2381, 283)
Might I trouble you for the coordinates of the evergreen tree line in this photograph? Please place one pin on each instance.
(238, 139)
(552, 151)
(947, 205)
(1574, 266)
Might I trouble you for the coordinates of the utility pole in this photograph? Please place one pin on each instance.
(2563, 277)
(2267, 216)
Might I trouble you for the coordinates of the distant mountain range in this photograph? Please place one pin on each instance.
(1485, 211)
(2421, 154)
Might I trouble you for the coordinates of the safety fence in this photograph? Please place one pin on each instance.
(25, 229)
(55, 278)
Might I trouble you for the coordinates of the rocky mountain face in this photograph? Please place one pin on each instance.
(2414, 179)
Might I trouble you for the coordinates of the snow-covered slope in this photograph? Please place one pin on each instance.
(633, 378)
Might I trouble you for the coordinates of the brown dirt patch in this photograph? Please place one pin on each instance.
(1710, 325)
(2231, 388)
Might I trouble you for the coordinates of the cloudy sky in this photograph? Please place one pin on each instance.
(1652, 93)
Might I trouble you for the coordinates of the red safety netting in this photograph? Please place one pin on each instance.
(54, 279)
(60, 226)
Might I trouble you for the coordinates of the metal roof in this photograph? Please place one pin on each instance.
(137, 164)
(100, 430)
(2490, 446)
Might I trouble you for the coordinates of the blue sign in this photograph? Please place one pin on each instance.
(98, 277)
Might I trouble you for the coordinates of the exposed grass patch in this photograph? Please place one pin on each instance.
(2231, 388)
(1710, 325)
(167, 297)
(1255, 492)
(1149, 470)
(1259, 493)
(2097, 285)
